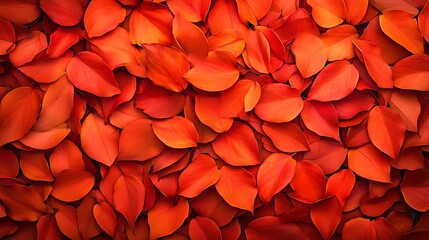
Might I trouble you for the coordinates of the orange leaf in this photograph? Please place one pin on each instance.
(192, 11)
(355, 10)
(88, 226)
(65, 13)
(326, 13)
(102, 16)
(415, 189)
(360, 158)
(21, 105)
(227, 39)
(258, 52)
(274, 174)
(407, 105)
(45, 139)
(340, 184)
(128, 198)
(329, 155)
(270, 227)
(321, 118)
(176, 132)
(190, 38)
(153, 19)
(336, 81)
(12, 11)
(411, 73)
(9, 163)
(402, 28)
(386, 129)
(377, 68)
(87, 71)
(204, 229)
(200, 174)
(310, 54)
(237, 146)
(339, 42)
(105, 217)
(308, 183)
(224, 14)
(23, 203)
(287, 137)
(61, 40)
(217, 72)
(206, 109)
(99, 141)
(165, 217)
(7, 37)
(326, 221)
(66, 217)
(138, 142)
(205, 134)
(28, 48)
(72, 185)
(166, 67)
(57, 105)
(238, 187)
(35, 167)
(423, 22)
(279, 103)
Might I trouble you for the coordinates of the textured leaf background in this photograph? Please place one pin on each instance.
(214, 119)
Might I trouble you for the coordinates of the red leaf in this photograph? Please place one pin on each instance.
(274, 174)
(321, 118)
(287, 137)
(327, 14)
(361, 228)
(165, 217)
(72, 185)
(166, 67)
(329, 155)
(218, 65)
(21, 105)
(23, 203)
(9, 163)
(336, 81)
(66, 155)
(200, 174)
(279, 103)
(204, 229)
(138, 142)
(47, 228)
(155, 20)
(190, 38)
(99, 141)
(374, 63)
(28, 48)
(66, 218)
(7, 36)
(237, 146)
(422, 21)
(102, 16)
(386, 130)
(176, 132)
(258, 52)
(407, 105)
(238, 187)
(355, 11)
(11, 10)
(411, 73)
(326, 221)
(402, 28)
(128, 198)
(87, 71)
(308, 183)
(415, 189)
(341, 184)
(310, 54)
(360, 158)
(269, 227)
(65, 13)
(61, 40)
(34, 166)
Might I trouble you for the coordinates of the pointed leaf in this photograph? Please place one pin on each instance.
(99, 141)
(287, 137)
(341, 184)
(204, 229)
(308, 182)
(66, 218)
(310, 54)
(238, 187)
(200, 174)
(176, 132)
(237, 146)
(326, 221)
(321, 118)
(65, 13)
(190, 37)
(35, 167)
(327, 14)
(339, 41)
(329, 155)
(258, 52)
(9, 163)
(360, 158)
(411, 73)
(101, 16)
(129, 197)
(28, 48)
(415, 189)
(274, 174)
